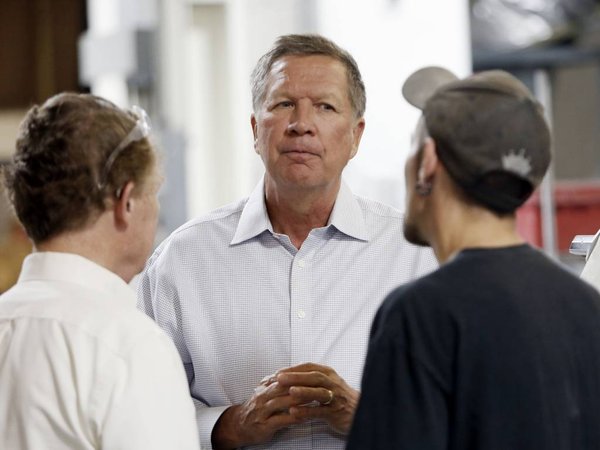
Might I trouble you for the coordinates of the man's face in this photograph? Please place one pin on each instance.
(414, 202)
(305, 130)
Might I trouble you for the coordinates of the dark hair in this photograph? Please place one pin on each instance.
(61, 151)
(492, 185)
(496, 189)
(304, 45)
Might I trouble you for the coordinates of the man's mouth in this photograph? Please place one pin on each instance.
(299, 151)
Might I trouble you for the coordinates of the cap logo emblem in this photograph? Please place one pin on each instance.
(517, 163)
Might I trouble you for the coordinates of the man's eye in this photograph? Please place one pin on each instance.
(326, 107)
(285, 104)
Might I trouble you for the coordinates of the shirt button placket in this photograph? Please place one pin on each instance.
(300, 323)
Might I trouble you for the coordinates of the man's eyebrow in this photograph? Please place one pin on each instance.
(328, 99)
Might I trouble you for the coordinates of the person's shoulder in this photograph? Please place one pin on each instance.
(124, 331)
(227, 213)
(132, 330)
(422, 293)
(82, 315)
(216, 225)
(121, 329)
(415, 310)
(541, 266)
(378, 209)
(386, 225)
(562, 276)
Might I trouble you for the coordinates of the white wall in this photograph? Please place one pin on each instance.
(107, 49)
(390, 39)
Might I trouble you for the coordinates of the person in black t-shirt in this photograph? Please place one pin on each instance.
(500, 347)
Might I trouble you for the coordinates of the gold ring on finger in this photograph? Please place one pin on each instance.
(328, 402)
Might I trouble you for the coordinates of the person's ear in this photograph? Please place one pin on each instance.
(427, 168)
(357, 132)
(254, 125)
(123, 206)
(429, 162)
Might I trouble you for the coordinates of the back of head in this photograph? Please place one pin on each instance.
(306, 45)
(59, 179)
(490, 133)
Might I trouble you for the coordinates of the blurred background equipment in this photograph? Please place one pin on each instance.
(554, 47)
(508, 25)
(38, 56)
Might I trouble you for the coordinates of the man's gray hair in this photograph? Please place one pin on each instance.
(305, 45)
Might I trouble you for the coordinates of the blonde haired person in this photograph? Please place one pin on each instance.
(80, 367)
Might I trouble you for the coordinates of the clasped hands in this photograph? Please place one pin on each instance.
(289, 396)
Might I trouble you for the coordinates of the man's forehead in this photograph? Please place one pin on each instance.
(318, 72)
(309, 66)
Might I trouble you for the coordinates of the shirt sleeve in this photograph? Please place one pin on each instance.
(206, 418)
(401, 405)
(147, 406)
(155, 300)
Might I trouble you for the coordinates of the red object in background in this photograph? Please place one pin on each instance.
(577, 212)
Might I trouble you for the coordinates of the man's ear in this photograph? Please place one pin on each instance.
(123, 206)
(429, 162)
(358, 130)
(254, 125)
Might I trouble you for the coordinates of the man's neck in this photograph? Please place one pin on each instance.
(472, 227)
(93, 243)
(296, 212)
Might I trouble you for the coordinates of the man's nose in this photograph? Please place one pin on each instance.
(302, 119)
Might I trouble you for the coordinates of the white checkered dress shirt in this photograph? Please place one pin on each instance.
(240, 301)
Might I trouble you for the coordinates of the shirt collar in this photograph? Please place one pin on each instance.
(72, 268)
(254, 219)
(346, 216)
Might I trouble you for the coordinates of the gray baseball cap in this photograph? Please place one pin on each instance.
(490, 132)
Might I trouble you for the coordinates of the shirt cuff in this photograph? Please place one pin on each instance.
(206, 418)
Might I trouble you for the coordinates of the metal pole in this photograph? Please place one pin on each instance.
(543, 92)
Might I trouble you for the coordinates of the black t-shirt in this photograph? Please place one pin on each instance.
(498, 349)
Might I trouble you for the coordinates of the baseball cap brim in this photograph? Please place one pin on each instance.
(422, 84)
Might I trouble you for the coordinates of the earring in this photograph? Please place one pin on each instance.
(423, 188)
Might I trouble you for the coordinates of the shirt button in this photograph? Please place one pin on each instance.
(301, 263)
(301, 314)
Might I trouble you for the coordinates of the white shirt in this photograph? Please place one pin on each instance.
(240, 301)
(81, 368)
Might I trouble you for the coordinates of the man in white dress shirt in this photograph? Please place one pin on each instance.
(80, 366)
(282, 286)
